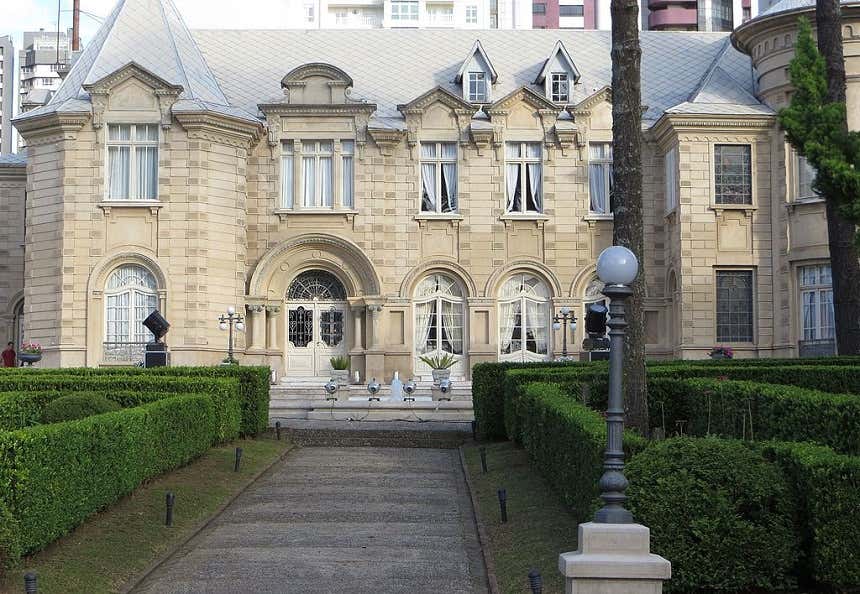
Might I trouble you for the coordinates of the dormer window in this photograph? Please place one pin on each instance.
(560, 87)
(478, 87)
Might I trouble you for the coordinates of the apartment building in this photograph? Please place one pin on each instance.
(43, 54)
(655, 15)
(7, 92)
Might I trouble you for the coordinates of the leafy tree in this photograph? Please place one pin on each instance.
(815, 123)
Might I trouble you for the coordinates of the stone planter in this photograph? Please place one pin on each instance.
(29, 358)
(441, 374)
(717, 356)
(341, 376)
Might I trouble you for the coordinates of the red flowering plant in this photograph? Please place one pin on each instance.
(721, 352)
(31, 348)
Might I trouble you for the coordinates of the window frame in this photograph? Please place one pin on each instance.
(523, 160)
(540, 11)
(608, 177)
(292, 170)
(800, 164)
(479, 76)
(132, 291)
(819, 289)
(753, 326)
(471, 14)
(751, 173)
(132, 145)
(398, 15)
(437, 163)
(577, 13)
(558, 97)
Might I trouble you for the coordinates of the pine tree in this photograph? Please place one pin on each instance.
(815, 124)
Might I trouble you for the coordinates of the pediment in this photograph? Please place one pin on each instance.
(316, 70)
(523, 95)
(130, 71)
(317, 83)
(439, 95)
(603, 95)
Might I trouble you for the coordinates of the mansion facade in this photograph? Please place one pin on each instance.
(388, 195)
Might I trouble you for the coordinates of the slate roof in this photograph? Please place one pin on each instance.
(13, 160)
(231, 71)
(789, 5)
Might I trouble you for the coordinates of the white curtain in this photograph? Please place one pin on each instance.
(147, 172)
(452, 325)
(429, 199)
(117, 307)
(513, 183)
(287, 180)
(536, 324)
(809, 305)
(449, 171)
(508, 313)
(597, 188)
(119, 166)
(326, 181)
(144, 305)
(347, 181)
(309, 180)
(828, 323)
(534, 170)
(423, 317)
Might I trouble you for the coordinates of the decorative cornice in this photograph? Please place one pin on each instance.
(218, 128)
(524, 95)
(51, 127)
(584, 107)
(317, 108)
(133, 70)
(296, 76)
(715, 123)
(386, 139)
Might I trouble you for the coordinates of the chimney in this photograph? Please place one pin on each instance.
(76, 26)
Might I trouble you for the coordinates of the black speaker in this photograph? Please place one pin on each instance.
(155, 359)
(595, 319)
(156, 324)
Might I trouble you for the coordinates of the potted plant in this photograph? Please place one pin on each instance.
(441, 365)
(31, 352)
(721, 352)
(340, 369)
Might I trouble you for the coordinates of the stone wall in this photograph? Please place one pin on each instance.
(12, 195)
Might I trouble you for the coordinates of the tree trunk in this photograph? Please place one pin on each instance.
(844, 260)
(626, 196)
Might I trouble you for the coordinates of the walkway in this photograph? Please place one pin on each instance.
(351, 520)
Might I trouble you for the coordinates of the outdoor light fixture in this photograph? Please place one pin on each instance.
(445, 387)
(373, 388)
(229, 321)
(330, 389)
(564, 319)
(409, 388)
(617, 267)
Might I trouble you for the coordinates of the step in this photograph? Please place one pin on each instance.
(399, 434)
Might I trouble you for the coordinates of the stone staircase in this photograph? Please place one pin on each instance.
(306, 399)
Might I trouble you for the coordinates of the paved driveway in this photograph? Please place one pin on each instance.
(339, 520)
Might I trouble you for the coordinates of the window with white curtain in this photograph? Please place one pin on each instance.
(523, 177)
(317, 186)
(439, 177)
(347, 152)
(316, 183)
(524, 319)
(805, 178)
(132, 168)
(439, 316)
(478, 87)
(600, 177)
(131, 294)
(670, 163)
(287, 171)
(816, 302)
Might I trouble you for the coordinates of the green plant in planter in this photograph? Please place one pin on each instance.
(445, 361)
(339, 363)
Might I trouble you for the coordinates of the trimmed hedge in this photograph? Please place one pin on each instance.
(23, 409)
(253, 384)
(826, 488)
(826, 378)
(53, 476)
(718, 511)
(565, 441)
(223, 391)
(77, 406)
(761, 411)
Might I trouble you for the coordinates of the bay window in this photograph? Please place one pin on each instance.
(523, 177)
(132, 171)
(439, 177)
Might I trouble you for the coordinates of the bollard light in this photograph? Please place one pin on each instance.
(445, 386)
(331, 388)
(503, 505)
(30, 584)
(169, 500)
(238, 460)
(535, 582)
(617, 267)
(474, 430)
(278, 429)
(483, 452)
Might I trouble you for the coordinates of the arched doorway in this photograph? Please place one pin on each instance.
(524, 319)
(316, 323)
(440, 323)
(131, 294)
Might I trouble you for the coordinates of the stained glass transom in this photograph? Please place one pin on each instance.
(438, 284)
(316, 284)
(526, 285)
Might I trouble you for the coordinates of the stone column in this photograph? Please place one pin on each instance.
(272, 317)
(257, 341)
(375, 354)
(375, 312)
(357, 315)
(613, 559)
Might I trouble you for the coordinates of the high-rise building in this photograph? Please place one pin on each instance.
(656, 15)
(421, 14)
(43, 54)
(7, 92)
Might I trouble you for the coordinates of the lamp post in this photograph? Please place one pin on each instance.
(227, 322)
(561, 321)
(617, 267)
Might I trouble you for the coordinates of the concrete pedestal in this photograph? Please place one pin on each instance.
(614, 559)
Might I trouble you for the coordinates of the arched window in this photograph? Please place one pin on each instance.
(131, 294)
(316, 285)
(439, 316)
(523, 319)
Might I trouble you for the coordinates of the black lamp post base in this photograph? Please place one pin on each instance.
(609, 515)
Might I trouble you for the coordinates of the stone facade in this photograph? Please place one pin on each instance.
(220, 234)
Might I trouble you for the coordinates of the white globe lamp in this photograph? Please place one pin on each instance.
(231, 310)
(617, 265)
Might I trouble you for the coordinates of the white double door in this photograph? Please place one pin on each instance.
(316, 332)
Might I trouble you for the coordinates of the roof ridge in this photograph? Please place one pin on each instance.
(709, 73)
(175, 49)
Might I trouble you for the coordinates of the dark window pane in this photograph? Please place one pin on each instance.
(732, 174)
(538, 8)
(571, 10)
(734, 306)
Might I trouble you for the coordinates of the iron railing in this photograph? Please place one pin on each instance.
(123, 352)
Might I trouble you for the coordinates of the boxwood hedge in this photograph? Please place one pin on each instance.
(53, 476)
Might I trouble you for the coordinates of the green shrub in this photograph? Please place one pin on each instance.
(718, 510)
(826, 489)
(23, 409)
(77, 406)
(759, 411)
(253, 384)
(837, 379)
(53, 476)
(566, 441)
